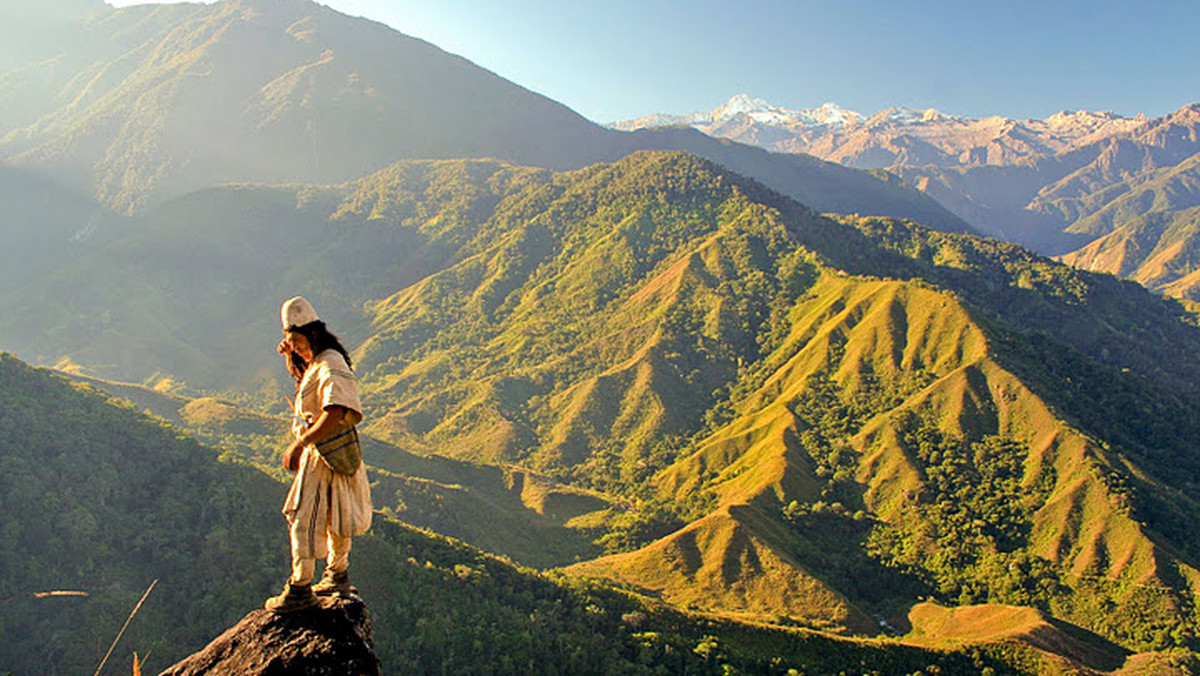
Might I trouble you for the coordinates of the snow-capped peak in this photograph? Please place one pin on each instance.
(901, 135)
(761, 110)
(758, 110)
(833, 115)
(742, 104)
(903, 115)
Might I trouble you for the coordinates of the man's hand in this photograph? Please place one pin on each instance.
(330, 418)
(291, 456)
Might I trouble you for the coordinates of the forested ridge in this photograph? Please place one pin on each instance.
(104, 499)
(100, 499)
(660, 330)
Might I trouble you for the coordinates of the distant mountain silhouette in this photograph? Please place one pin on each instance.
(34, 31)
(44, 225)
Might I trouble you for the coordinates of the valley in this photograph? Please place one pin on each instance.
(636, 401)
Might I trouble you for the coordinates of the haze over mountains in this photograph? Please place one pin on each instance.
(1124, 202)
(653, 358)
(147, 103)
(153, 101)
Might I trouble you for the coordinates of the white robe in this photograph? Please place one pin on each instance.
(320, 499)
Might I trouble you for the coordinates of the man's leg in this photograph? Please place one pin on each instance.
(297, 594)
(302, 570)
(303, 557)
(339, 553)
(335, 580)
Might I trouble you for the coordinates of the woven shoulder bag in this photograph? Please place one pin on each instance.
(342, 451)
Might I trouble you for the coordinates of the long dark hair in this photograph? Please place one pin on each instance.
(320, 339)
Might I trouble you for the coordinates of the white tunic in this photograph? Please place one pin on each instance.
(321, 499)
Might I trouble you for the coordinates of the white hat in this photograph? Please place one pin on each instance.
(297, 312)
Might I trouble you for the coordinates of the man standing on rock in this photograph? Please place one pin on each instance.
(330, 499)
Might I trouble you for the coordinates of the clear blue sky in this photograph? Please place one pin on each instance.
(624, 58)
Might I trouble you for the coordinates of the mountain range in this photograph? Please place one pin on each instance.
(735, 395)
(797, 359)
(740, 405)
(153, 101)
(1108, 193)
(892, 137)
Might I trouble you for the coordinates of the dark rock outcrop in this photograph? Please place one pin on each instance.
(333, 638)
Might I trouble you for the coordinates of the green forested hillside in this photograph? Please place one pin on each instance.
(99, 499)
(102, 500)
(814, 400)
(189, 291)
(660, 373)
(1153, 246)
(509, 511)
